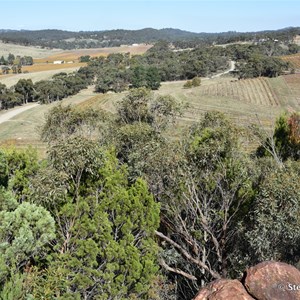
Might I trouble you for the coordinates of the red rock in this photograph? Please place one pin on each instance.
(223, 289)
(273, 281)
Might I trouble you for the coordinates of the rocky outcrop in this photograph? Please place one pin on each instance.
(273, 281)
(224, 289)
(265, 281)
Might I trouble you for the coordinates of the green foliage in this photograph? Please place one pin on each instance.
(153, 78)
(62, 85)
(196, 81)
(188, 85)
(114, 38)
(271, 231)
(141, 106)
(138, 131)
(65, 121)
(212, 187)
(259, 65)
(105, 245)
(293, 48)
(135, 107)
(14, 288)
(85, 58)
(25, 88)
(22, 165)
(145, 77)
(281, 136)
(8, 98)
(25, 233)
(7, 200)
(111, 79)
(3, 169)
(10, 58)
(49, 91)
(18, 60)
(286, 138)
(214, 138)
(139, 77)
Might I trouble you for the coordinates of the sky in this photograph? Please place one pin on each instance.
(191, 15)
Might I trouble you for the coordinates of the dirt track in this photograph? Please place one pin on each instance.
(232, 67)
(6, 116)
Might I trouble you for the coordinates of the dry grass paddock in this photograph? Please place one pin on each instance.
(244, 101)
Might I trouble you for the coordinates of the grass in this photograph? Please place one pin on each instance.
(245, 102)
(254, 91)
(11, 79)
(23, 130)
(223, 95)
(35, 52)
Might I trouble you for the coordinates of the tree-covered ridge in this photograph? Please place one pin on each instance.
(182, 39)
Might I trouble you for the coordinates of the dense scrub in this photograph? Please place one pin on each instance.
(120, 211)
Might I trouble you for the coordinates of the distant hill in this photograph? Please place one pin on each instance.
(54, 38)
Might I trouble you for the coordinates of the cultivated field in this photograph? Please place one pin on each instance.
(253, 91)
(293, 59)
(73, 55)
(43, 54)
(49, 67)
(245, 101)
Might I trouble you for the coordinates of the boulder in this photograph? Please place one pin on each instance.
(223, 289)
(273, 281)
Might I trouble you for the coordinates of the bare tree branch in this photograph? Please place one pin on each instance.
(197, 262)
(175, 270)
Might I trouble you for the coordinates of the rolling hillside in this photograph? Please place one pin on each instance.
(92, 39)
(245, 101)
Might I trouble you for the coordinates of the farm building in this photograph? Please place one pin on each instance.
(58, 62)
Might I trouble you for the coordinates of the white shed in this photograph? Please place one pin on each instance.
(58, 62)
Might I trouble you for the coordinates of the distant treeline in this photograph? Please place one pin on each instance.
(16, 60)
(14, 63)
(45, 91)
(180, 39)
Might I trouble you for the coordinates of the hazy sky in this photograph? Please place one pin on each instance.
(192, 15)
